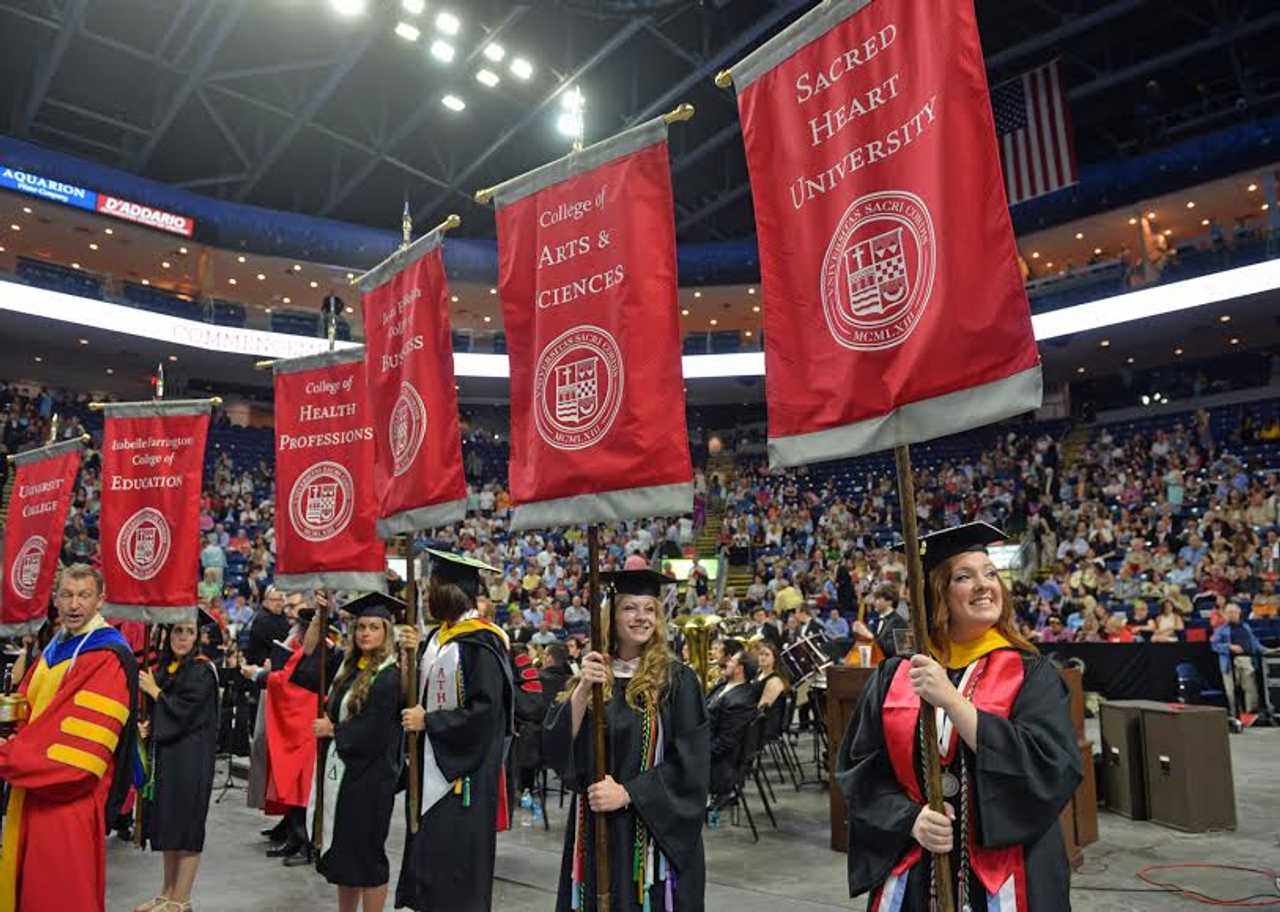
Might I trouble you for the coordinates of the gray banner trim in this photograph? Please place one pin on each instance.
(47, 452)
(606, 506)
(151, 614)
(429, 517)
(915, 422)
(22, 628)
(818, 21)
(322, 359)
(349, 580)
(624, 143)
(160, 408)
(401, 259)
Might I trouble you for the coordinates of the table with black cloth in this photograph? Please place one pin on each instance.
(1137, 671)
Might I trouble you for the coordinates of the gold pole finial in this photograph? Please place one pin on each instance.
(724, 79)
(679, 114)
(406, 226)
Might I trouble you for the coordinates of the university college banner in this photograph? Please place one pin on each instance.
(409, 360)
(42, 488)
(894, 307)
(152, 469)
(587, 274)
(326, 508)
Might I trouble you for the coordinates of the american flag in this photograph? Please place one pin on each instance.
(1033, 128)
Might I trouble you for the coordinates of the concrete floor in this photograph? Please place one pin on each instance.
(790, 868)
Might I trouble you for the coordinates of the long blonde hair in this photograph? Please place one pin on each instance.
(940, 615)
(359, 693)
(653, 675)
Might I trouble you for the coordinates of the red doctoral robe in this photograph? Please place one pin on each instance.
(291, 745)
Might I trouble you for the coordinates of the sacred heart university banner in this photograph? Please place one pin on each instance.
(43, 484)
(409, 361)
(152, 468)
(587, 275)
(894, 310)
(326, 507)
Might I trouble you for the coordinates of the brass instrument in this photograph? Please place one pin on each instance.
(697, 630)
(14, 710)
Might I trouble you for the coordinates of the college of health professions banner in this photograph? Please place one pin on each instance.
(43, 483)
(894, 311)
(152, 469)
(409, 362)
(587, 275)
(326, 507)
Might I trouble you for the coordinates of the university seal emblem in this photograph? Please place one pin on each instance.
(577, 388)
(322, 501)
(25, 571)
(142, 546)
(407, 428)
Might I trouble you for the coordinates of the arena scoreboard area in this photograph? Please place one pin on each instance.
(70, 195)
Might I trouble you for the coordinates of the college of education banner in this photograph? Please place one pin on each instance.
(409, 361)
(152, 469)
(894, 311)
(326, 508)
(43, 484)
(587, 275)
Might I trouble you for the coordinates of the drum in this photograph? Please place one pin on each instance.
(806, 657)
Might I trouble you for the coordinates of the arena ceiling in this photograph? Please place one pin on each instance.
(287, 104)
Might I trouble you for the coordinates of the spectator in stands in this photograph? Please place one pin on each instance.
(209, 588)
(1168, 624)
(836, 627)
(1116, 630)
(1054, 631)
(1237, 648)
(545, 636)
(212, 557)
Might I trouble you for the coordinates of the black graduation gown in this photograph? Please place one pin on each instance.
(371, 747)
(1023, 774)
(671, 798)
(448, 864)
(184, 732)
(729, 713)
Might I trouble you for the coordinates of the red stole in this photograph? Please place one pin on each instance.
(1000, 679)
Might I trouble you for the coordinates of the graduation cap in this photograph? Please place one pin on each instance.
(637, 582)
(939, 547)
(376, 604)
(458, 569)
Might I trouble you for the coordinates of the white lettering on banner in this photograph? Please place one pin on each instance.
(143, 484)
(406, 301)
(562, 253)
(818, 81)
(143, 443)
(395, 359)
(829, 123)
(566, 212)
(321, 412)
(332, 438)
(38, 509)
(43, 487)
(581, 288)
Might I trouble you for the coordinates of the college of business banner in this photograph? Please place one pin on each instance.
(409, 361)
(894, 310)
(326, 507)
(43, 484)
(152, 469)
(587, 275)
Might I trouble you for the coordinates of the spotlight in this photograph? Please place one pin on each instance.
(1035, 254)
(407, 31)
(453, 298)
(714, 321)
(26, 209)
(1235, 341)
(448, 23)
(75, 265)
(173, 357)
(93, 246)
(1146, 400)
(487, 78)
(569, 124)
(315, 284)
(521, 68)
(1105, 343)
(261, 277)
(495, 52)
(164, 264)
(1191, 204)
(108, 231)
(751, 290)
(182, 250)
(413, 7)
(1079, 235)
(488, 319)
(453, 102)
(286, 300)
(231, 281)
(1133, 220)
(493, 291)
(240, 259)
(697, 294)
(684, 312)
(349, 7)
(1225, 318)
(755, 309)
(442, 50)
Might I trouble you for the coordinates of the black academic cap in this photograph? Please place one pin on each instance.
(458, 569)
(375, 604)
(637, 582)
(942, 546)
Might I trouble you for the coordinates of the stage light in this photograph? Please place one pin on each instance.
(268, 309)
(1177, 351)
(39, 359)
(488, 319)
(407, 31)
(286, 300)
(1151, 216)
(1225, 318)
(75, 265)
(453, 102)
(448, 23)
(350, 276)
(684, 311)
(413, 7)
(1253, 188)
(1133, 220)
(1079, 370)
(1204, 222)
(261, 277)
(231, 281)
(1235, 341)
(570, 123)
(111, 370)
(164, 264)
(1146, 400)
(494, 52)
(1191, 204)
(697, 294)
(349, 7)
(442, 50)
(16, 227)
(314, 284)
(146, 281)
(521, 68)
(487, 78)
(182, 250)
(1097, 251)
(108, 231)
(84, 341)
(350, 309)
(240, 259)
(1129, 360)
(755, 309)
(173, 357)
(26, 209)
(1079, 235)
(751, 290)
(1105, 343)
(1035, 254)
(297, 267)
(493, 291)
(747, 333)
(714, 322)
(453, 298)
(1266, 206)
(93, 246)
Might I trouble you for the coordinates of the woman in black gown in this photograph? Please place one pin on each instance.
(363, 757)
(1008, 749)
(655, 795)
(181, 742)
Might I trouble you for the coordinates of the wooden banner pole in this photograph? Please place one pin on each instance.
(601, 768)
(409, 685)
(322, 651)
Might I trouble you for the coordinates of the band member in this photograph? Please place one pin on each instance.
(772, 677)
(1008, 751)
(880, 627)
(364, 750)
(66, 766)
(180, 740)
(731, 707)
(467, 699)
(655, 794)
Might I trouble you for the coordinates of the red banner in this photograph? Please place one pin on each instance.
(587, 266)
(409, 360)
(152, 469)
(326, 508)
(894, 309)
(42, 488)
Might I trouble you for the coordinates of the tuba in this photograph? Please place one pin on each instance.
(697, 630)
